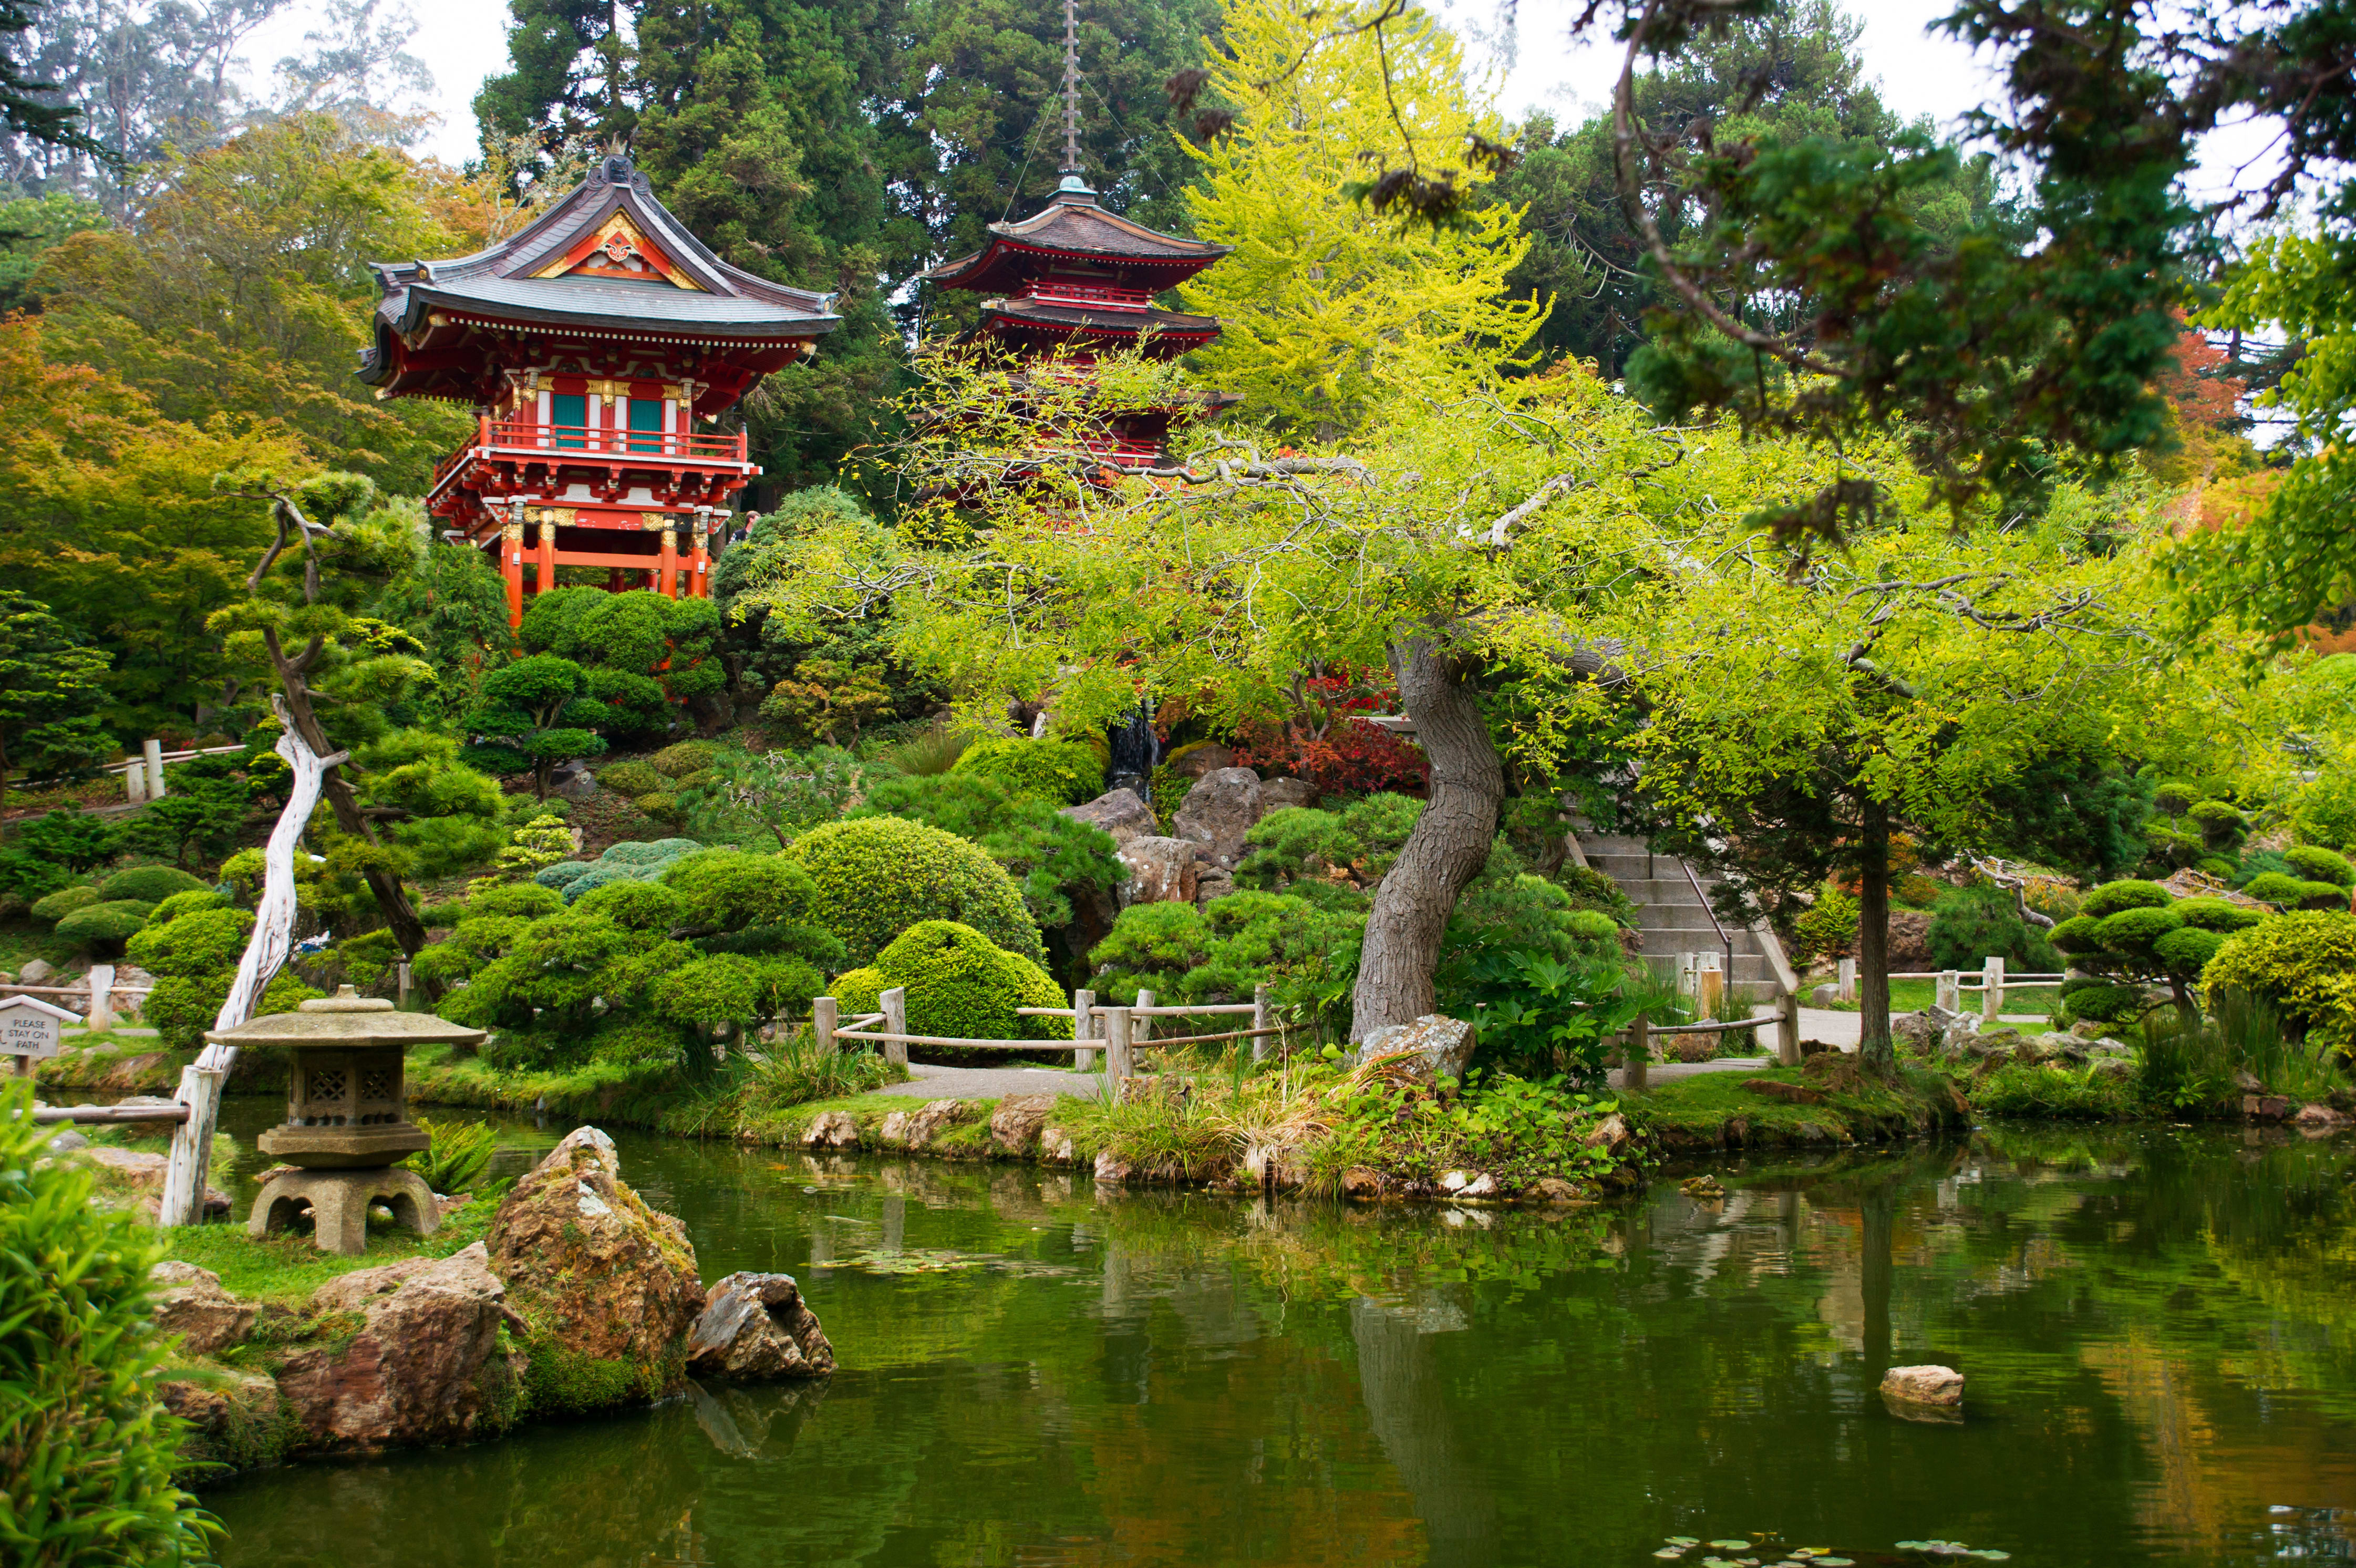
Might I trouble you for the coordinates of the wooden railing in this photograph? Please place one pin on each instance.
(1048, 290)
(1992, 984)
(1124, 1029)
(528, 436)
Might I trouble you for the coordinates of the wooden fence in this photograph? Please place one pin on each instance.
(101, 989)
(1117, 1031)
(1992, 985)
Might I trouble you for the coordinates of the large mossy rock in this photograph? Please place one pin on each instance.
(422, 1363)
(605, 1286)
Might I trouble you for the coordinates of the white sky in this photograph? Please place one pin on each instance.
(462, 41)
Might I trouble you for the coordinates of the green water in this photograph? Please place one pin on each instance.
(2159, 1328)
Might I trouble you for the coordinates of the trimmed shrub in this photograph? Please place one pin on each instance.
(2216, 913)
(879, 875)
(960, 985)
(647, 1042)
(63, 902)
(2276, 889)
(2305, 965)
(88, 1451)
(182, 1007)
(2075, 935)
(192, 943)
(2313, 864)
(661, 805)
(149, 884)
(2113, 896)
(1970, 924)
(103, 924)
(632, 778)
(2186, 950)
(730, 890)
(1919, 891)
(526, 899)
(179, 904)
(1057, 770)
(634, 906)
(2134, 930)
(637, 853)
(687, 757)
(1827, 928)
(2103, 1002)
(562, 874)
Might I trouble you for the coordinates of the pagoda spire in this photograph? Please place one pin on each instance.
(1071, 88)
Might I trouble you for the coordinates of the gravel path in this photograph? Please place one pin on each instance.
(932, 1082)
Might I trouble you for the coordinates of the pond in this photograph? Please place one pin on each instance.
(2158, 1326)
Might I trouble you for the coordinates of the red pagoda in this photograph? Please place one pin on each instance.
(589, 344)
(1079, 280)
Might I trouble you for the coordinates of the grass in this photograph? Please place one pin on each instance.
(2063, 1093)
(285, 1268)
(1697, 1108)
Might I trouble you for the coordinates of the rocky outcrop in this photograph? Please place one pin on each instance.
(915, 1128)
(831, 1130)
(605, 1286)
(1160, 871)
(1910, 941)
(424, 1366)
(1123, 814)
(236, 1419)
(192, 1305)
(756, 1327)
(1015, 1125)
(1198, 760)
(1433, 1047)
(1218, 811)
(1942, 1386)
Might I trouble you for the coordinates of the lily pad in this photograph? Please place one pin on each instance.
(1730, 1546)
(1671, 1553)
(1685, 1541)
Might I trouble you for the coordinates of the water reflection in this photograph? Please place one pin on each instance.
(2156, 1327)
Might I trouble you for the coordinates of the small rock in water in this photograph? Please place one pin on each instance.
(1702, 1189)
(1941, 1387)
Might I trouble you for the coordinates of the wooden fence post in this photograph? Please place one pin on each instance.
(134, 781)
(1636, 1055)
(1116, 1039)
(1949, 993)
(1261, 1011)
(894, 1003)
(183, 1202)
(822, 1017)
(1992, 993)
(154, 752)
(1787, 1032)
(1083, 1024)
(102, 998)
(400, 983)
(1848, 980)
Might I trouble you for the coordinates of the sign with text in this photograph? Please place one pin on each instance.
(29, 1028)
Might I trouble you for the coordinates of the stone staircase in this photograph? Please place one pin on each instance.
(1673, 919)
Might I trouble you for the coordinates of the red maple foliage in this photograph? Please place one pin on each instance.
(2201, 396)
(1328, 746)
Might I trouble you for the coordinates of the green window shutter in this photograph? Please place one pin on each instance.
(568, 409)
(647, 417)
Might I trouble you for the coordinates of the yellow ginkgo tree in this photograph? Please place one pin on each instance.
(1332, 307)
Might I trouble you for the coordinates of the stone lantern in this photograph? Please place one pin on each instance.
(347, 1117)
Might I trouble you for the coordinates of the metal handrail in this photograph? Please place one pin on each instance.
(1724, 941)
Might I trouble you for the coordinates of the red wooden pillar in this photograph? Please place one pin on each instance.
(666, 573)
(547, 557)
(511, 569)
(699, 563)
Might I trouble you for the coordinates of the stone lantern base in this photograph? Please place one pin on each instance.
(339, 1203)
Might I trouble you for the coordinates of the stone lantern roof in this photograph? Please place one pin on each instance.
(347, 1018)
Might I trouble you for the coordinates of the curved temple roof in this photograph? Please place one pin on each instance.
(1073, 227)
(607, 258)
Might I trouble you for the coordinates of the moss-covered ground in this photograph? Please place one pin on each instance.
(1831, 1103)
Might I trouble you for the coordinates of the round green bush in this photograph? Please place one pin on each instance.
(631, 778)
(63, 902)
(634, 906)
(182, 1007)
(2105, 1003)
(2218, 816)
(635, 852)
(733, 890)
(687, 757)
(2187, 950)
(641, 1041)
(2134, 930)
(1057, 770)
(527, 900)
(101, 925)
(671, 847)
(660, 804)
(91, 1451)
(2323, 895)
(1917, 890)
(2304, 963)
(149, 884)
(733, 988)
(192, 945)
(961, 985)
(2216, 913)
(2221, 869)
(2274, 887)
(879, 875)
(2313, 864)
(189, 903)
(562, 874)
(2176, 796)
(2113, 896)
(2076, 935)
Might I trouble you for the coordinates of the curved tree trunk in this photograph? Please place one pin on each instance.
(1446, 851)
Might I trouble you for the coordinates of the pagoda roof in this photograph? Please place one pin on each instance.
(1073, 227)
(1096, 321)
(608, 259)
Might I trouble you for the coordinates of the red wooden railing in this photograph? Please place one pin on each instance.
(530, 436)
(1049, 291)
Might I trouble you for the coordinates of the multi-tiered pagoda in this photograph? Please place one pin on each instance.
(590, 346)
(1078, 280)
